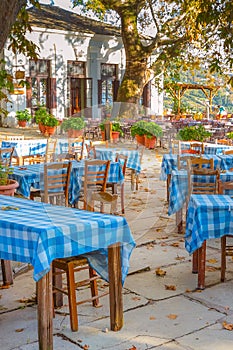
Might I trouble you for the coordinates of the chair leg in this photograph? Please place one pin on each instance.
(7, 275)
(137, 181)
(195, 262)
(132, 179)
(223, 258)
(94, 288)
(72, 297)
(122, 199)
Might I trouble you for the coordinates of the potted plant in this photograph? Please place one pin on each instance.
(194, 133)
(152, 132)
(50, 123)
(138, 131)
(41, 114)
(74, 126)
(23, 117)
(116, 131)
(7, 186)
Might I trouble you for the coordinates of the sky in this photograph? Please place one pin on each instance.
(66, 4)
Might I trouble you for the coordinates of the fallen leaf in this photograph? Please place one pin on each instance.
(133, 348)
(181, 240)
(163, 244)
(211, 268)
(188, 291)
(160, 272)
(19, 330)
(146, 190)
(212, 261)
(152, 318)
(228, 326)
(136, 298)
(171, 287)
(172, 316)
(175, 244)
(180, 257)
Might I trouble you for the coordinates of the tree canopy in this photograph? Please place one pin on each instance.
(198, 31)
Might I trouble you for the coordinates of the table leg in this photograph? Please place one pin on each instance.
(115, 287)
(45, 312)
(179, 221)
(7, 276)
(168, 184)
(201, 266)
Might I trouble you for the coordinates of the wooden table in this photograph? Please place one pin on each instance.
(38, 233)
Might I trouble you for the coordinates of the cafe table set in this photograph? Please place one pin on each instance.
(37, 233)
(32, 176)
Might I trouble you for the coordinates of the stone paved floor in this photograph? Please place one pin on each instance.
(175, 317)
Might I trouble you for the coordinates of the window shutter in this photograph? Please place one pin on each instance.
(52, 93)
(99, 92)
(116, 84)
(29, 92)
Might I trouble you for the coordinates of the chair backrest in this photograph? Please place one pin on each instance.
(50, 150)
(225, 187)
(14, 137)
(201, 163)
(122, 159)
(56, 180)
(182, 161)
(6, 155)
(203, 181)
(104, 199)
(224, 142)
(95, 178)
(175, 146)
(99, 143)
(227, 151)
(76, 147)
(197, 146)
(91, 151)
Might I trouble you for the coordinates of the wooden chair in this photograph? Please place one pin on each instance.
(201, 163)
(175, 146)
(134, 175)
(182, 161)
(6, 155)
(91, 151)
(227, 151)
(224, 142)
(14, 137)
(197, 146)
(49, 153)
(122, 160)
(55, 184)
(226, 249)
(76, 147)
(197, 187)
(95, 179)
(70, 266)
(99, 143)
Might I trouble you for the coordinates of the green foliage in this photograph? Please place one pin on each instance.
(5, 170)
(6, 86)
(230, 135)
(193, 133)
(138, 128)
(76, 123)
(23, 115)
(44, 117)
(116, 126)
(149, 129)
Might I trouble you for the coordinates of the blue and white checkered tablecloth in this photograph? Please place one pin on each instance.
(208, 216)
(37, 233)
(215, 148)
(133, 161)
(63, 146)
(27, 147)
(178, 189)
(169, 163)
(226, 161)
(31, 176)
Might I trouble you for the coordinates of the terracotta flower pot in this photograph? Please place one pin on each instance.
(140, 139)
(115, 136)
(22, 123)
(9, 189)
(150, 142)
(72, 133)
(50, 130)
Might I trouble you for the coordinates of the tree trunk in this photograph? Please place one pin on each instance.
(136, 73)
(8, 13)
